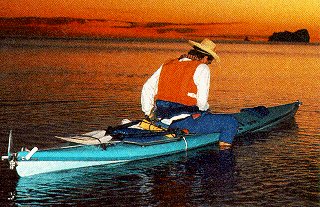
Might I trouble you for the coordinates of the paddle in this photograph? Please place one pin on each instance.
(9, 154)
(111, 129)
(148, 130)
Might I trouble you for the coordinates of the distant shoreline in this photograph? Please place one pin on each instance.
(146, 39)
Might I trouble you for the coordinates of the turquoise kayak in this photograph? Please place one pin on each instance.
(139, 144)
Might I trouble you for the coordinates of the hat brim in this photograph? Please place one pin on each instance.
(206, 49)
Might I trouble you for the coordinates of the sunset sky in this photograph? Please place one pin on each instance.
(253, 17)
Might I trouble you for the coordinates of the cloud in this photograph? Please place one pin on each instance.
(73, 27)
(178, 30)
(165, 24)
(157, 24)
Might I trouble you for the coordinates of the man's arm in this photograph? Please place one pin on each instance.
(201, 78)
(149, 91)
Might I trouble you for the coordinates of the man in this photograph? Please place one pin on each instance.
(181, 89)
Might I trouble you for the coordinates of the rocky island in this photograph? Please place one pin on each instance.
(298, 36)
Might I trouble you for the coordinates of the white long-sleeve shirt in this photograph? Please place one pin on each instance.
(201, 78)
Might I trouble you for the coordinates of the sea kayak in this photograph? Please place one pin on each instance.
(135, 143)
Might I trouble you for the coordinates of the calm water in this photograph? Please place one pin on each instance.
(57, 87)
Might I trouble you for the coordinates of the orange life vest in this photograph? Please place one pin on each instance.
(176, 81)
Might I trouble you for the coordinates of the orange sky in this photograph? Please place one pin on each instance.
(257, 17)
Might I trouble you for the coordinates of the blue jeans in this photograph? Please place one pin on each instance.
(208, 123)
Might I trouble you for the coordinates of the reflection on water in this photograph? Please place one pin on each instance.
(58, 87)
(168, 180)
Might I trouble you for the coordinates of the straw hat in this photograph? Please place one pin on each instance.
(207, 47)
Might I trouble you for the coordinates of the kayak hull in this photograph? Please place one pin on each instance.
(38, 167)
(44, 161)
(113, 152)
(252, 123)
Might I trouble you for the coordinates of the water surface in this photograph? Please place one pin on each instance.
(58, 87)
